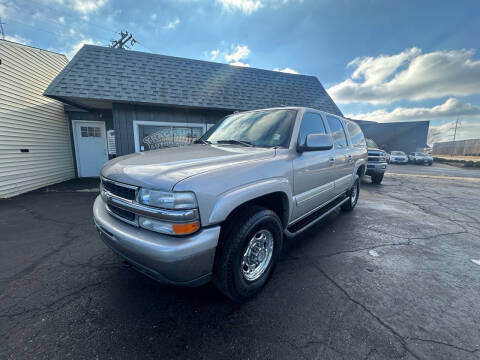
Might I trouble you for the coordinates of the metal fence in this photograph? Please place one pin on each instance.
(463, 147)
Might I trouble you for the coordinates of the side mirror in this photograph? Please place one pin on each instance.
(316, 142)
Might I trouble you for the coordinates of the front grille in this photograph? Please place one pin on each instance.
(373, 159)
(127, 215)
(118, 190)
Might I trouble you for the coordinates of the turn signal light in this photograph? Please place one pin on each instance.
(188, 228)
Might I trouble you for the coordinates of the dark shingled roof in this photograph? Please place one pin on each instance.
(117, 75)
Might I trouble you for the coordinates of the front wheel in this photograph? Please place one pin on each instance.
(353, 194)
(247, 253)
(377, 178)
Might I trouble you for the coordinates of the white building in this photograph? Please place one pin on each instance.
(35, 143)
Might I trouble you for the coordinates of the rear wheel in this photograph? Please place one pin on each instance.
(248, 252)
(353, 194)
(377, 178)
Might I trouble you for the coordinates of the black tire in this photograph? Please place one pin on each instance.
(228, 275)
(377, 178)
(352, 201)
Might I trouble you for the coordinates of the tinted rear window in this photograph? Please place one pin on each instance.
(356, 134)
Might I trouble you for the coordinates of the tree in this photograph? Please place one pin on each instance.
(125, 38)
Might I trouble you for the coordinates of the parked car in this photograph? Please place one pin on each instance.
(377, 162)
(398, 157)
(219, 209)
(420, 158)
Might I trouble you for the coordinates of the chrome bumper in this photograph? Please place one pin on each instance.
(186, 261)
(376, 168)
(398, 161)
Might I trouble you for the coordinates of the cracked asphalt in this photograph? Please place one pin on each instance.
(394, 279)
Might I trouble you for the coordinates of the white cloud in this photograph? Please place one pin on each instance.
(172, 24)
(6, 8)
(245, 6)
(86, 7)
(239, 63)
(61, 19)
(248, 7)
(37, 15)
(239, 52)
(286, 70)
(410, 75)
(17, 38)
(214, 54)
(449, 109)
(78, 45)
(153, 17)
(467, 129)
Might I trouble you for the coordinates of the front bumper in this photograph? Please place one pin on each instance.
(398, 161)
(185, 261)
(376, 168)
(422, 161)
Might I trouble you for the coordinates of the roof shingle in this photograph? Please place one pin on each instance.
(102, 73)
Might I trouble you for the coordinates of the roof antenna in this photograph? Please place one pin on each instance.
(2, 31)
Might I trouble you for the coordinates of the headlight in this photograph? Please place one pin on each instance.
(167, 200)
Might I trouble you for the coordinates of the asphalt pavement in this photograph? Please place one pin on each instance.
(397, 278)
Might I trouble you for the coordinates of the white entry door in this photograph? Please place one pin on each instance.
(90, 147)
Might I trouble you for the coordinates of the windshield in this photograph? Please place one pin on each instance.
(270, 128)
(371, 143)
(397, 153)
(422, 154)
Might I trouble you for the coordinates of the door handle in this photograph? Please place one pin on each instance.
(331, 161)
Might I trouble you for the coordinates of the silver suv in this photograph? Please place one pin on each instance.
(219, 209)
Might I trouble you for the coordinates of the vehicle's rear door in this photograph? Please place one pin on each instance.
(343, 162)
(312, 170)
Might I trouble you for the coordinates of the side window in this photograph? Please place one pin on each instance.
(356, 134)
(311, 124)
(338, 134)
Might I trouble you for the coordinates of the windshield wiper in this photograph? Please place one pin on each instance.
(233, 141)
(198, 141)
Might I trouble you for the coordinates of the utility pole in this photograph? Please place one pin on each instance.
(455, 133)
(454, 137)
(121, 43)
(2, 31)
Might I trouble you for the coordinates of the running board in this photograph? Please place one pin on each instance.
(315, 217)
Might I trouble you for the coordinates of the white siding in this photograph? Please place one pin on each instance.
(29, 120)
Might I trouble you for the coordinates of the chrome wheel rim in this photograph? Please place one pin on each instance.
(354, 195)
(257, 255)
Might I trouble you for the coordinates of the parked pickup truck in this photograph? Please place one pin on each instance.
(220, 209)
(377, 162)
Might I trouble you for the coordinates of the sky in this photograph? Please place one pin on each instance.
(381, 60)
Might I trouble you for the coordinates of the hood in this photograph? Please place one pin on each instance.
(162, 169)
(375, 151)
